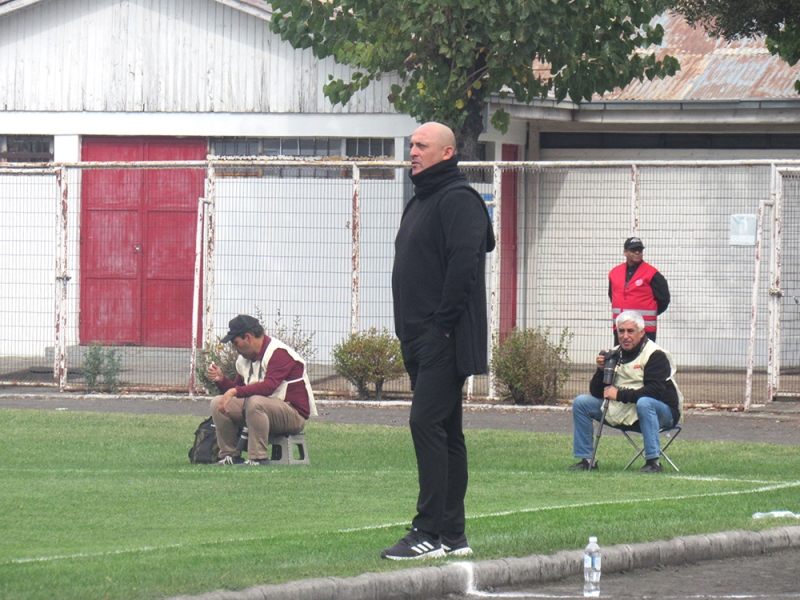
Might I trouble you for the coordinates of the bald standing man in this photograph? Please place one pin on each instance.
(439, 293)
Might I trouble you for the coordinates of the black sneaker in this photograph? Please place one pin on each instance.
(652, 466)
(456, 545)
(417, 544)
(583, 465)
(230, 460)
(262, 462)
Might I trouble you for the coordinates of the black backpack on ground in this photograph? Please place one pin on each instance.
(205, 449)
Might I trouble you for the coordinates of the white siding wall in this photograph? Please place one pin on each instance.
(27, 276)
(571, 233)
(287, 245)
(175, 56)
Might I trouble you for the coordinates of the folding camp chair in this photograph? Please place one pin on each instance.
(671, 433)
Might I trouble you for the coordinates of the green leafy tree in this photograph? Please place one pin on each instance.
(778, 20)
(451, 55)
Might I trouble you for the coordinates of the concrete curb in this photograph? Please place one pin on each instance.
(426, 583)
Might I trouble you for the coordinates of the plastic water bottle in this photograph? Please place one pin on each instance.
(591, 569)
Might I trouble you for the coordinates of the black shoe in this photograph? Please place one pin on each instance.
(583, 465)
(417, 544)
(456, 545)
(652, 466)
(230, 460)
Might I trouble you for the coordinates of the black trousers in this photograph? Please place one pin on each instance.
(436, 430)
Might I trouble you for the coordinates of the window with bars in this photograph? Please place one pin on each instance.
(26, 148)
(303, 147)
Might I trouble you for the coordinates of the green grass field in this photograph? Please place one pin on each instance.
(102, 505)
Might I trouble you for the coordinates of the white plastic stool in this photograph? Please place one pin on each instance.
(283, 449)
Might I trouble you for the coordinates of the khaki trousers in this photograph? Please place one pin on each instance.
(262, 415)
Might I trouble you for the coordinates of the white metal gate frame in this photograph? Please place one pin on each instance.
(205, 243)
(775, 207)
(60, 273)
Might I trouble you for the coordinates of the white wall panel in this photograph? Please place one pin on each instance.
(161, 56)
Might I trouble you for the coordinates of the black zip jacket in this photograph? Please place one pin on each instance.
(438, 277)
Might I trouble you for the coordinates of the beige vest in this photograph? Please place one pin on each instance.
(631, 376)
(254, 371)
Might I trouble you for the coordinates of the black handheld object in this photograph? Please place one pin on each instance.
(241, 445)
(599, 433)
(610, 367)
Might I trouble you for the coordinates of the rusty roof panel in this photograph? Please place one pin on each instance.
(713, 69)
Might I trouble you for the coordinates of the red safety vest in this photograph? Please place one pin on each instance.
(637, 295)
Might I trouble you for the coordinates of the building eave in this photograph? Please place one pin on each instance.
(704, 114)
(9, 6)
(256, 8)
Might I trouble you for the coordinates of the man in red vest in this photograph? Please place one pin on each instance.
(637, 285)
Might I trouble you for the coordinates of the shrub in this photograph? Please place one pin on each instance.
(224, 355)
(369, 357)
(529, 367)
(295, 338)
(103, 364)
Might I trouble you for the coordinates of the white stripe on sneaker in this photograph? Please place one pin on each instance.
(423, 547)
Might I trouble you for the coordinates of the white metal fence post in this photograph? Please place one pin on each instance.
(751, 346)
(775, 292)
(356, 250)
(634, 199)
(62, 278)
(196, 291)
(494, 304)
(209, 269)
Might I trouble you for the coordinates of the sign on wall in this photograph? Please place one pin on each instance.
(743, 230)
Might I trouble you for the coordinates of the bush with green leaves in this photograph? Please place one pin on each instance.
(367, 358)
(224, 355)
(529, 368)
(101, 367)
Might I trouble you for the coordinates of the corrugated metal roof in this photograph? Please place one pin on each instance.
(713, 69)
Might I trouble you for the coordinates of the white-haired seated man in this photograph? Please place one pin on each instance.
(642, 395)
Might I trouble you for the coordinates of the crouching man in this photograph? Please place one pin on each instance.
(271, 393)
(643, 393)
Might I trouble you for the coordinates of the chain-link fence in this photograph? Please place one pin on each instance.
(122, 259)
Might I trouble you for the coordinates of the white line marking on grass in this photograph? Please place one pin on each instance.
(766, 488)
(734, 479)
(22, 561)
(35, 559)
(505, 513)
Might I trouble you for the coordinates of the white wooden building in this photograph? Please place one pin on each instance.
(168, 67)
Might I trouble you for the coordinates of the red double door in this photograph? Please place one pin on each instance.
(138, 232)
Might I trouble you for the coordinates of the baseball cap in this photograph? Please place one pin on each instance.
(632, 243)
(238, 326)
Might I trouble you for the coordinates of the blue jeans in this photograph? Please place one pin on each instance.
(653, 416)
